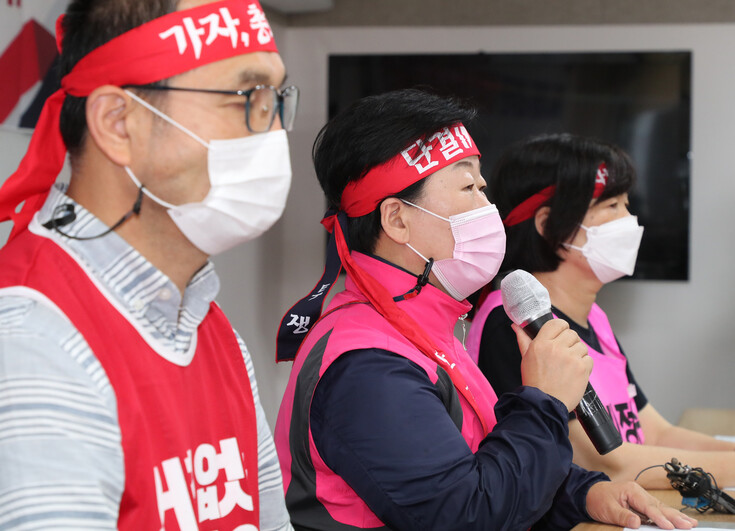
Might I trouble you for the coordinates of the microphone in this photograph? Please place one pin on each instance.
(527, 303)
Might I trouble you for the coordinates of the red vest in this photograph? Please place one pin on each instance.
(189, 434)
(609, 376)
(316, 497)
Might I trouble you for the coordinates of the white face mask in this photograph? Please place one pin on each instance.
(249, 182)
(612, 248)
(479, 248)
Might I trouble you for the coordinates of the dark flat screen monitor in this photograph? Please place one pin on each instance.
(640, 101)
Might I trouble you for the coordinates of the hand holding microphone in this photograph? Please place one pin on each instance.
(556, 362)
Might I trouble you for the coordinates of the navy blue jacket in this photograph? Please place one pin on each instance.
(426, 477)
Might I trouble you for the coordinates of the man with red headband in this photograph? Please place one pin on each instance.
(386, 422)
(128, 399)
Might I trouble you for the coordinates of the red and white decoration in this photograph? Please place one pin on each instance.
(27, 50)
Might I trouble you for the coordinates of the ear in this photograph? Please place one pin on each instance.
(108, 122)
(539, 219)
(393, 213)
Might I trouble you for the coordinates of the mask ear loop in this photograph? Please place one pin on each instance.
(575, 247)
(167, 118)
(69, 216)
(421, 281)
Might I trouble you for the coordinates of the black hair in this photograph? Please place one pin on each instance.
(570, 163)
(87, 25)
(370, 132)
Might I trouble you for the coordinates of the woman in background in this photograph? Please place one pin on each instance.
(564, 204)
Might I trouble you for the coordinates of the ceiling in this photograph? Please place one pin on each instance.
(293, 7)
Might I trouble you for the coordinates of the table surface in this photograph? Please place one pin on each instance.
(672, 498)
(711, 422)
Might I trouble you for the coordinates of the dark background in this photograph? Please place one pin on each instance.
(640, 101)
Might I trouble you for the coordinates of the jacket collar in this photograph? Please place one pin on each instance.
(432, 308)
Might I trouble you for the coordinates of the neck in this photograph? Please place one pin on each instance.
(152, 232)
(573, 293)
(404, 257)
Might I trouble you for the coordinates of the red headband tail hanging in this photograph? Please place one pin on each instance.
(159, 49)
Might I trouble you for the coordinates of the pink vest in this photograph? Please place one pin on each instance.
(609, 377)
(316, 497)
(189, 435)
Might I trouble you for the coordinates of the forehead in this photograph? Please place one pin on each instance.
(453, 174)
(469, 164)
(188, 4)
(239, 72)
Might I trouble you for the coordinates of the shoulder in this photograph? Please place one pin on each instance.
(357, 326)
(497, 329)
(30, 320)
(498, 318)
(39, 343)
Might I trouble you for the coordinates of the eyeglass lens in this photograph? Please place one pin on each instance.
(263, 105)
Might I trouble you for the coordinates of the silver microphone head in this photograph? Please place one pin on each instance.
(524, 298)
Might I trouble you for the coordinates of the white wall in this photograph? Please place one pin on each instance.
(676, 334)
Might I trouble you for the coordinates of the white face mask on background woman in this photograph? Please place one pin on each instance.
(612, 248)
(249, 182)
(479, 248)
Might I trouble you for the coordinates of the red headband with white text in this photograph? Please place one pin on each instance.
(417, 161)
(527, 209)
(159, 49)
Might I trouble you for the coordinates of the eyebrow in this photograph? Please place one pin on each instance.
(248, 77)
(467, 163)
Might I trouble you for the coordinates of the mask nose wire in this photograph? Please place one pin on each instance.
(168, 119)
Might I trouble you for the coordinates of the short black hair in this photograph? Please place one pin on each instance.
(370, 132)
(570, 162)
(88, 24)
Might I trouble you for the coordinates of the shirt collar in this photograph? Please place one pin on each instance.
(131, 279)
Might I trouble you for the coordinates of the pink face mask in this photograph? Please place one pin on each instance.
(479, 248)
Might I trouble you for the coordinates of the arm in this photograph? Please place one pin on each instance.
(625, 462)
(378, 422)
(661, 432)
(60, 446)
(273, 513)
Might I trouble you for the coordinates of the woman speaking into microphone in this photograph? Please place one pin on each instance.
(564, 204)
(386, 421)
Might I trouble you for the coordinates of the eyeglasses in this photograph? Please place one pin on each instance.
(262, 104)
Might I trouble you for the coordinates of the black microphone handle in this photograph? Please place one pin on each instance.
(592, 415)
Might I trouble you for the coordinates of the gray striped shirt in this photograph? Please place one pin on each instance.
(61, 459)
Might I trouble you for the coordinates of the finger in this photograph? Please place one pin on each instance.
(522, 337)
(625, 518)
(659, 518)
(680, 520)
(552, 329)
(569, 337)
(656, 513)
(590, 363)
(577, 349)
(581, 351)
